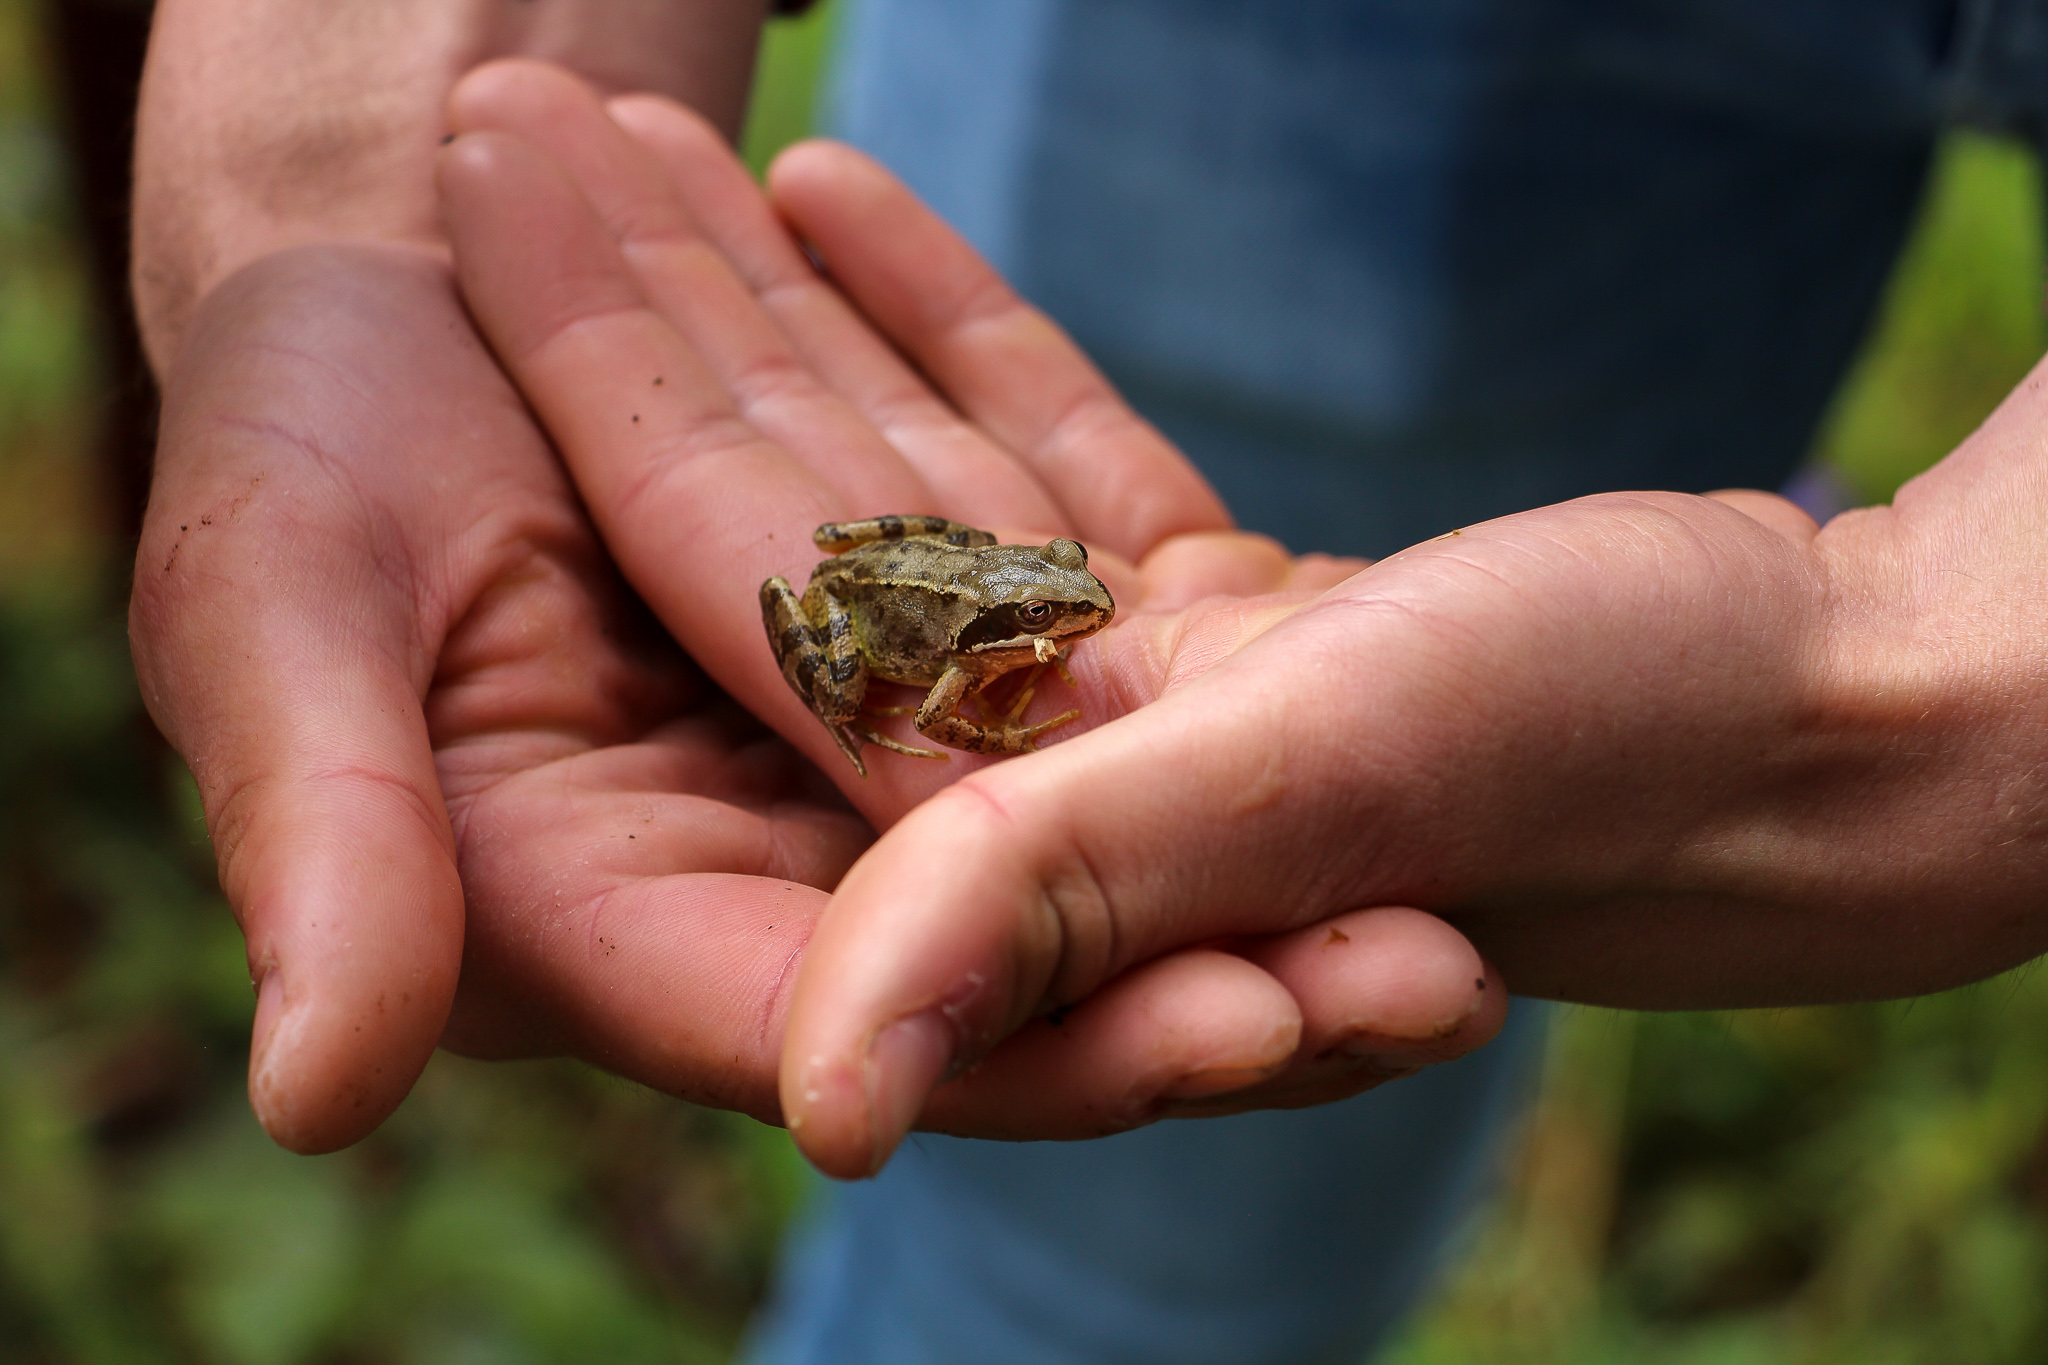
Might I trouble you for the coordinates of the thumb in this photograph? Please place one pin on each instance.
(1023, 888)
(276, 627)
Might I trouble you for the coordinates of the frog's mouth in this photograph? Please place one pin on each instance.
(1034, 644)
(1044, 646)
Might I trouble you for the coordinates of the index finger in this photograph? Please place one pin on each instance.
(696, 506)
(975, 480)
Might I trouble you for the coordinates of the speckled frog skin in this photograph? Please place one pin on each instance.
(931, 603)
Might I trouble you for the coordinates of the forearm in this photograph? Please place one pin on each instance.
(267, 124)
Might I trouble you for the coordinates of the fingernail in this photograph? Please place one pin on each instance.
(266, 1091)
(1200, 1085)
(1366, 1041)
(906, 1061)
(1382, 1066)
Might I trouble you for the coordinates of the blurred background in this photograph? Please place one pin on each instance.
(1862, 1185)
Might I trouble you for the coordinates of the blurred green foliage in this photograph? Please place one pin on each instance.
(536, 1212)
(787, 84)
(1797, 1187)
(1961, 323)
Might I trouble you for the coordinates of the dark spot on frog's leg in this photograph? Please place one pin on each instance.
(1480, 983)
(805, 672)
(1059, 1016)
(1336, 936)
(842, 654)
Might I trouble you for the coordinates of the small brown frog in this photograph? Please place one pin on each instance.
(931, 603)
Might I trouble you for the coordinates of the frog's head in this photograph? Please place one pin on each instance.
(1036, 598)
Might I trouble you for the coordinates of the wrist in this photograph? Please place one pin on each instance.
(267, 125)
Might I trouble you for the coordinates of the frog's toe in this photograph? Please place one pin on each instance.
(849, 746)
(876, 737)
(1027, 734)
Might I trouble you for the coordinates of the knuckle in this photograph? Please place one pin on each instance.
(1066, 917)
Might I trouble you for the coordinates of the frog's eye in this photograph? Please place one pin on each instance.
(1035, 615)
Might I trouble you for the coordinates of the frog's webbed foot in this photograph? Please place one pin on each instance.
(939, 719)
(1001, 738)
(1022, 702)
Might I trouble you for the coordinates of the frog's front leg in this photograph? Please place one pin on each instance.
(812, 637)
(939, 718)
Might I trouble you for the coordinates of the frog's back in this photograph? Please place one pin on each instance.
(907, 601)
(910, 563)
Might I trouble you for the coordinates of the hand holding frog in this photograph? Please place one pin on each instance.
(1647, 750)
(716, 401)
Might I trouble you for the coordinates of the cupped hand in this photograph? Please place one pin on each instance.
(715, 398)
(463, 789)
(371, 615)
(1646, 750)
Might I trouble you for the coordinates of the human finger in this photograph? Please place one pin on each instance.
(1218, 806)
(1182, 1030)
(644, 907)
(1782, 515)
(687, 281)
(1383, 993)
(283, 622)
(1053, 874)
(1365, 998)
(696, 506)
(1004, 364)
(971, 477)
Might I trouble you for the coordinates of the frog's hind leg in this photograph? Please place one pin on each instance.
(837, 537)
(812, 638)
(939, 719)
